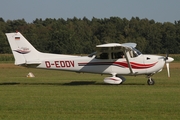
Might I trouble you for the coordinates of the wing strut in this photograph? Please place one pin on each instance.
(129, 65)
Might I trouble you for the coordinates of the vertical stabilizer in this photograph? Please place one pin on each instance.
(22, 50)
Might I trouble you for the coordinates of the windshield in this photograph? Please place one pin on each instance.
(137, 52)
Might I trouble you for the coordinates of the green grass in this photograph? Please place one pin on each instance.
(67, 95)
(6, 57)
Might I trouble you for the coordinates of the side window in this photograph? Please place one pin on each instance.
(117, 55)
(102, 56)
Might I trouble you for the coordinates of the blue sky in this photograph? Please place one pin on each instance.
(158, 10)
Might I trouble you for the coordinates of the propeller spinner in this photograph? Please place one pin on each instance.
(168, 60)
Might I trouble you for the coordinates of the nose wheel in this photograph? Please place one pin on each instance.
(150, 81)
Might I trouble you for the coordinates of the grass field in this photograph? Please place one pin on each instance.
(67, 95)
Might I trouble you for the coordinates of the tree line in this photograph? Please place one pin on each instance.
(80, 36)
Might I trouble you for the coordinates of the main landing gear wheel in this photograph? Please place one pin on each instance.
(150, 81)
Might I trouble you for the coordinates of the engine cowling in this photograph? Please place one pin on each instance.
(113, 80)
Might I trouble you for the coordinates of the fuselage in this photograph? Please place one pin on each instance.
(142, 64)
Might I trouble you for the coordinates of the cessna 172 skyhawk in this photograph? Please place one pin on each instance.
(112, 58)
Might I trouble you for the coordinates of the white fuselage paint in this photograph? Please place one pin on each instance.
(142, 64)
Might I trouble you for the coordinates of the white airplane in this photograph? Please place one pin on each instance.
(112, 58)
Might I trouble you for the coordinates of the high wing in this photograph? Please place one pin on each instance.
(127, 45)
(106, 51)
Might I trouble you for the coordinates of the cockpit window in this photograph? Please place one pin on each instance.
(117, 55)
(137, 51)
(103, 56)
(134, 52)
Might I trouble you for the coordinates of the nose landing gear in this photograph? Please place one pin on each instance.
(150, 81)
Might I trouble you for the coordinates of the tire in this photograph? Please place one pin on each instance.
(150, 82)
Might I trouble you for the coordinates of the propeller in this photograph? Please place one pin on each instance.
(168, 60)
(167, 66)
(167, 55)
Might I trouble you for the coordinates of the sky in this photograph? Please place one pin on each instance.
(158, 10)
